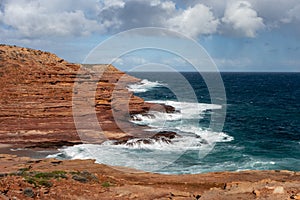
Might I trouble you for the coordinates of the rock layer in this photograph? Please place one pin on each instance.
(36, 99)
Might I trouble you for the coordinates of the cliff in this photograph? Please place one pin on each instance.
(36, 98)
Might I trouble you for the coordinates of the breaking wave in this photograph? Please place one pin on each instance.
(156, 154)
(144, 86)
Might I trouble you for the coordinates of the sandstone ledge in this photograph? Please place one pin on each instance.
(83, 179)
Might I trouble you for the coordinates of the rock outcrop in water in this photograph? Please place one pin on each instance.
(161, 137)
(36, 99)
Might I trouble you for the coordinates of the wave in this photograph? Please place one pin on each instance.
(184, 111)
(144, 86)
(189, 106)
(152, 156)
(157, 154)
(185, 121)
(149, 158)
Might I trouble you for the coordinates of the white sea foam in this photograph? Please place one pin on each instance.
(147, 157)
(144, 86)
(203, 167)
(155, 154)
(17, 149)
(185, 122)
(185, 119)
(189, 106)
(185, 111)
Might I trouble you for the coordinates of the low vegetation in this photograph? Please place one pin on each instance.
(39, 179)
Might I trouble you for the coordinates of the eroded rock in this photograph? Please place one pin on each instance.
(39, 94)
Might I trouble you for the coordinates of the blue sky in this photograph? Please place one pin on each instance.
(239, 35)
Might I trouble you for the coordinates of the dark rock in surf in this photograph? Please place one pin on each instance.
(123, 140)
(167, 134)
(163, 136)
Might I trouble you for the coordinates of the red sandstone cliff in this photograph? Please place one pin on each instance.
(36, 99)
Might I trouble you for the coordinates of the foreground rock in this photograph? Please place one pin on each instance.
(25, 178)
(37, 96)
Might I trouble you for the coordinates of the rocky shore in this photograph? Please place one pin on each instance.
(38, 92)
(36, 100)
(26, 178)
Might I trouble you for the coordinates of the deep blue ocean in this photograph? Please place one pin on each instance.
(261, 129)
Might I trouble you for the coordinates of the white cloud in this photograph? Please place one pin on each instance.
(273, 11)
(37, 18)
(292, 14)
(169, 6)
(112, 3)
(137, 13)
(242, 18)
(130, 61)
(194, 21)
(40, 18)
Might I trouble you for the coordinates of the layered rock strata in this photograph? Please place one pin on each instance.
(39, 92)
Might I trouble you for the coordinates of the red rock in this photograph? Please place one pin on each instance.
(97, 181)
(36, 99)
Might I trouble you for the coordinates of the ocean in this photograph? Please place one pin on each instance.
(261, 129)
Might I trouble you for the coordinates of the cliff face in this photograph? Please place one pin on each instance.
(36, 98)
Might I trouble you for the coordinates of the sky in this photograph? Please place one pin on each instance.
(239, 35)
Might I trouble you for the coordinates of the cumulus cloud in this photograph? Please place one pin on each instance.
(105, 4)
(194, 21)
(136, 13)
(39, 18)
(242, 18)
(273, 11)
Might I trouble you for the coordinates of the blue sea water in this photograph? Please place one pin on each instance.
(261, 129)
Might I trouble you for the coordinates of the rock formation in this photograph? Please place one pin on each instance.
(38, 90)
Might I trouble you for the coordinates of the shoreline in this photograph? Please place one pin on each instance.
(39, 153)
(88, 180)
(42, 153)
